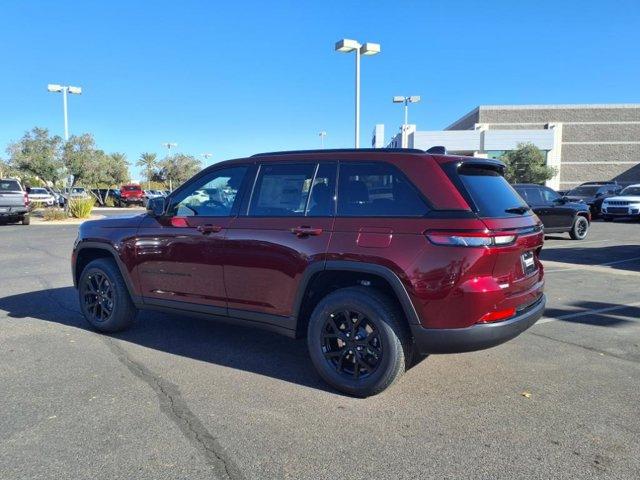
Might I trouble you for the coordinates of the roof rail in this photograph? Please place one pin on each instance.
(341, 150)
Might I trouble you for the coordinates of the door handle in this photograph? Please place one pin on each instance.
(208, 228)
(306, 231)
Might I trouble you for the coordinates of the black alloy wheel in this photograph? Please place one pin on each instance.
(351, 344)
(97, 293)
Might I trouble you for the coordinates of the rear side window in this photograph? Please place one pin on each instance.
(10, 186)
(282, 190)
(491, 193)
(377, 190)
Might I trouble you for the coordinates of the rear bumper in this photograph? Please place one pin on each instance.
(476, 337)
(14, 212)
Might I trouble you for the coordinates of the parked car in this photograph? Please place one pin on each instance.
(626, 204)
(558, 214)
(152, 194)
(57, 194)
(593, 194)
(131, 195)
(41, 196)
(14, 202)
(444, 258)
(74, 193)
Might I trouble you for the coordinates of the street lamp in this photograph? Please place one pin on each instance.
(169, 146)
(55, 88)
(406, 101)
(322, 135)
(206, 157)
(345, 45)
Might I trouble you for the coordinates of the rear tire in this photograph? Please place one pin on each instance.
(104, 298)
(370, 348)
(26, 220)
(580, 228)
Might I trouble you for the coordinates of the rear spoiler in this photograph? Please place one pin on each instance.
(488, 163)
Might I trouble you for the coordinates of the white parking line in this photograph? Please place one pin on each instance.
(583, 313)
(598, 267)
(573, 244)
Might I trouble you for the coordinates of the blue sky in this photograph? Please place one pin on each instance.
(236, 78)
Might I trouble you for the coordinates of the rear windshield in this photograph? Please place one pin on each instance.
(584, 191)
(39, 191)
(491, 193)
(131, 188)
(9, 186)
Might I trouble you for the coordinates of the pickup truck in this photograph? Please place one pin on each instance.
(14, 202)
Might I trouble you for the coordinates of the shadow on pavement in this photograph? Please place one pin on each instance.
(244, 348)
(607, 318)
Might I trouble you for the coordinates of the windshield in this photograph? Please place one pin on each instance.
(633, 190)
(77, 190)
(38, 191)
(585, 191)
(9, 186)
(491, 193)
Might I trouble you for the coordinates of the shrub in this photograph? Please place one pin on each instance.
(51, 214)
(81, 207)
(109, 202)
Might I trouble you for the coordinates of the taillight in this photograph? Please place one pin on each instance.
(471, 239)
(26, 199)
(498, 315)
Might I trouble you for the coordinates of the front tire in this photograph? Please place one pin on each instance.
(580, 228)
(104, 298)
(358, 341)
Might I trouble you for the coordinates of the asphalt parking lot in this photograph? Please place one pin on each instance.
(177, 397)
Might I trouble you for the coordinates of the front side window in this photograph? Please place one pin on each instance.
(377, 190)
(282, 190)
(213, 195)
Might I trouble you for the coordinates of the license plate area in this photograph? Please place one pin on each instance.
(528, 263)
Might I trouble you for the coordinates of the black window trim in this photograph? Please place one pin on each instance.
(425, 200)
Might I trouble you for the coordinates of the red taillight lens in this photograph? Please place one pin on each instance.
(26, 199)
(498, 315)
(471, 239)
(179, 222)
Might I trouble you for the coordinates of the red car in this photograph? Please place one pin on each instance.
(378, 257)
(131, 195)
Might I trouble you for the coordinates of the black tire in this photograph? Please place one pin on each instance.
(26, 220)
(387, 344)
(95, 301)
(580, 228)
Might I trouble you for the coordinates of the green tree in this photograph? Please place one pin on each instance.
(527, 164)
(177, 169)
(118, 168)
(37, 155)
(149, 162)
(84, 161)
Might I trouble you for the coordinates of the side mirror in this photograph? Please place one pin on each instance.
(156, 206)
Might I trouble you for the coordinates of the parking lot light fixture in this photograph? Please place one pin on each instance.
(347, 46)
(322, 134)
(406, 101)
(64, 89)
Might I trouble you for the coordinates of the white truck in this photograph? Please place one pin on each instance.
(14, 202)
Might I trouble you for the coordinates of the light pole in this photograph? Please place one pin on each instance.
(406, 101)
(322, 134)
(53, 87)
(345, 45)
(169, 146)
(206, 157)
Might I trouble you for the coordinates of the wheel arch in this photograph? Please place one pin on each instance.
(324, 277)
(89, 251)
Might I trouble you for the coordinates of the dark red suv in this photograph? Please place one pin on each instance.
(378, 257)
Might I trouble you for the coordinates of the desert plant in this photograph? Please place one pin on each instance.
(51, 214)
(81, 207)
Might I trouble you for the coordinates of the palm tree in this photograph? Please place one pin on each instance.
(149, 162)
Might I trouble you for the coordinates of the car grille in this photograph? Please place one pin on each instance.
(617, 210)
(617, 202)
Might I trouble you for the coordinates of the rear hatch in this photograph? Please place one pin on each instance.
(11, 195)
(507, 216)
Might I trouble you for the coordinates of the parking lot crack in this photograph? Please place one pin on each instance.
(176, 409)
